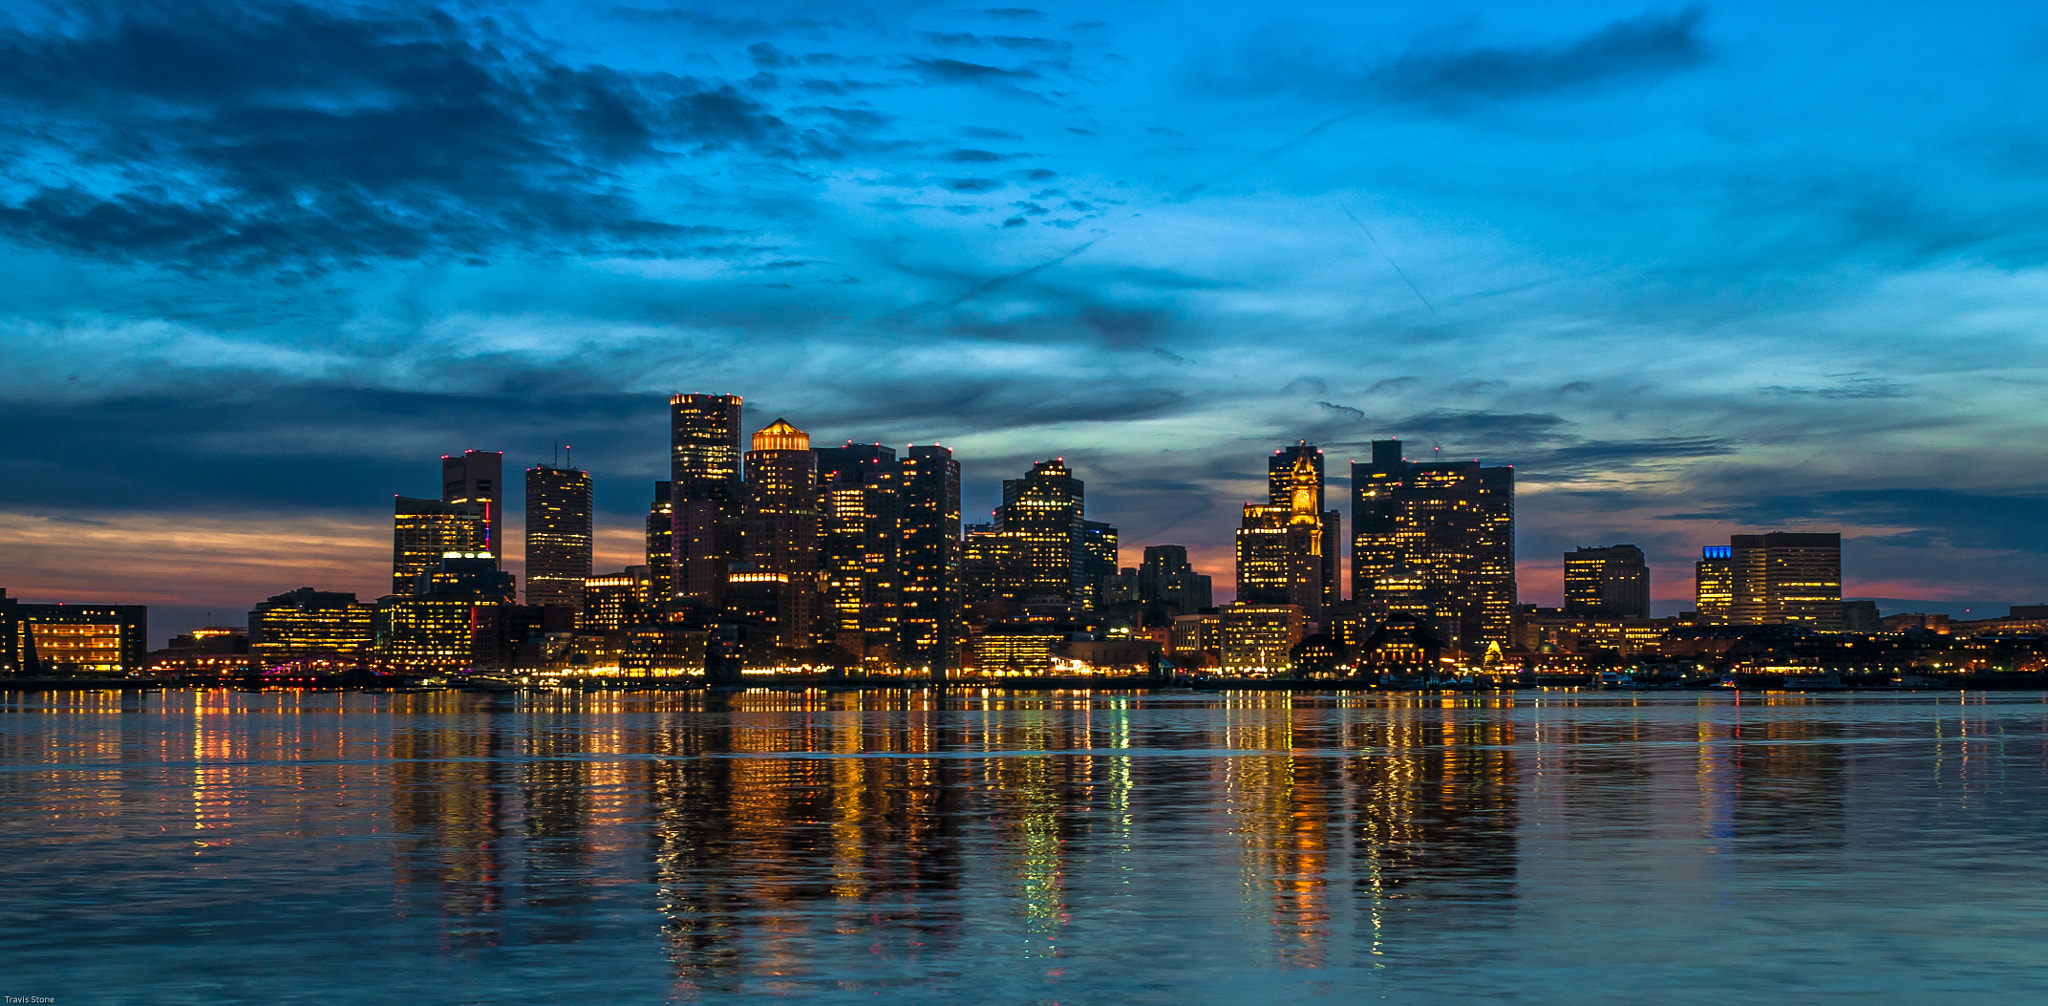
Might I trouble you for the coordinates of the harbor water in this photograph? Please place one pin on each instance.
(278, 847)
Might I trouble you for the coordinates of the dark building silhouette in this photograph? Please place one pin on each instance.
(661, 544)
(1436, 539)
(1165, 577)
(558, 535)
(1098, 563)
(704, 480)
(10, 634)
(1043, 512)
(423, 531)
(478, 478)
(1787, 578)
(1610, 581)
(1861, 616)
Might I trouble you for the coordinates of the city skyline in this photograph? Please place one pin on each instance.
(1682, 275)
(620, 543)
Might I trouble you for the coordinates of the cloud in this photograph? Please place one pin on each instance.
(1495, 430)
(737, 28)
(953, 71)
(1617, 456)
(298, 136)
(1449, 79)
(1922, 518)
(1125, 328)
(1355, 415)
(1649, 45)
(1855, 387)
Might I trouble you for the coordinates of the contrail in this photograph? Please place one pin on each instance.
(1193, 190)
(1383, 254)
(1020, 274)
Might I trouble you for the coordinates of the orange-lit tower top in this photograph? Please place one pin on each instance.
(780, 436)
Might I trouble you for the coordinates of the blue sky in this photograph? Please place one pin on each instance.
(1691, 269)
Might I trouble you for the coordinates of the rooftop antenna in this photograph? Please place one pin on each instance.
(569, 455)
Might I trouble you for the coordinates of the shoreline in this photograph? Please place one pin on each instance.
(1997, 681)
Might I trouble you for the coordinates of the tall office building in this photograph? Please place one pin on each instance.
(558, 535)
(661, 544)
(1043, 512)
(1280, 543)
(1437, 540)
(927, 561)
(1098, 563)
(1166, 576)
(425, 530)
(857, 523)
(1290, 472)
(704, 481)
(779, 527)
(1714, 582)
(478, 478)
(1609, 580)
(993, 568)
(1787, 578)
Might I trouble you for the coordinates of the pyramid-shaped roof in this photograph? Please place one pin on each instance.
(781, 436)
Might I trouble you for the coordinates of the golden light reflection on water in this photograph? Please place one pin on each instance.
(774, 842)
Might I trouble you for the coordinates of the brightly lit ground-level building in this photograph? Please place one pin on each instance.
(1258, 639)
(64, 640)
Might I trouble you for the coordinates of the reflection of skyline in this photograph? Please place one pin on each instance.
(758, 857)
(447, 808)
(790, 843)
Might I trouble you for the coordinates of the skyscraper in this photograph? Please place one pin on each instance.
(1043, 511)
(928, 560)
(704, 480)
(993, 568)
(558, 535)
(661, 544)
(779, 526)
(1289, 472)
(478, 478)
(1280, 543)
(1098, 562)
(1787, 578)
(1165, 576)
(1608, 580)
(425, 530)
(1714, 582)
(857, 525)
(1436, 539)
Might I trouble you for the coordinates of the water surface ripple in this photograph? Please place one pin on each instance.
(1018, 848)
